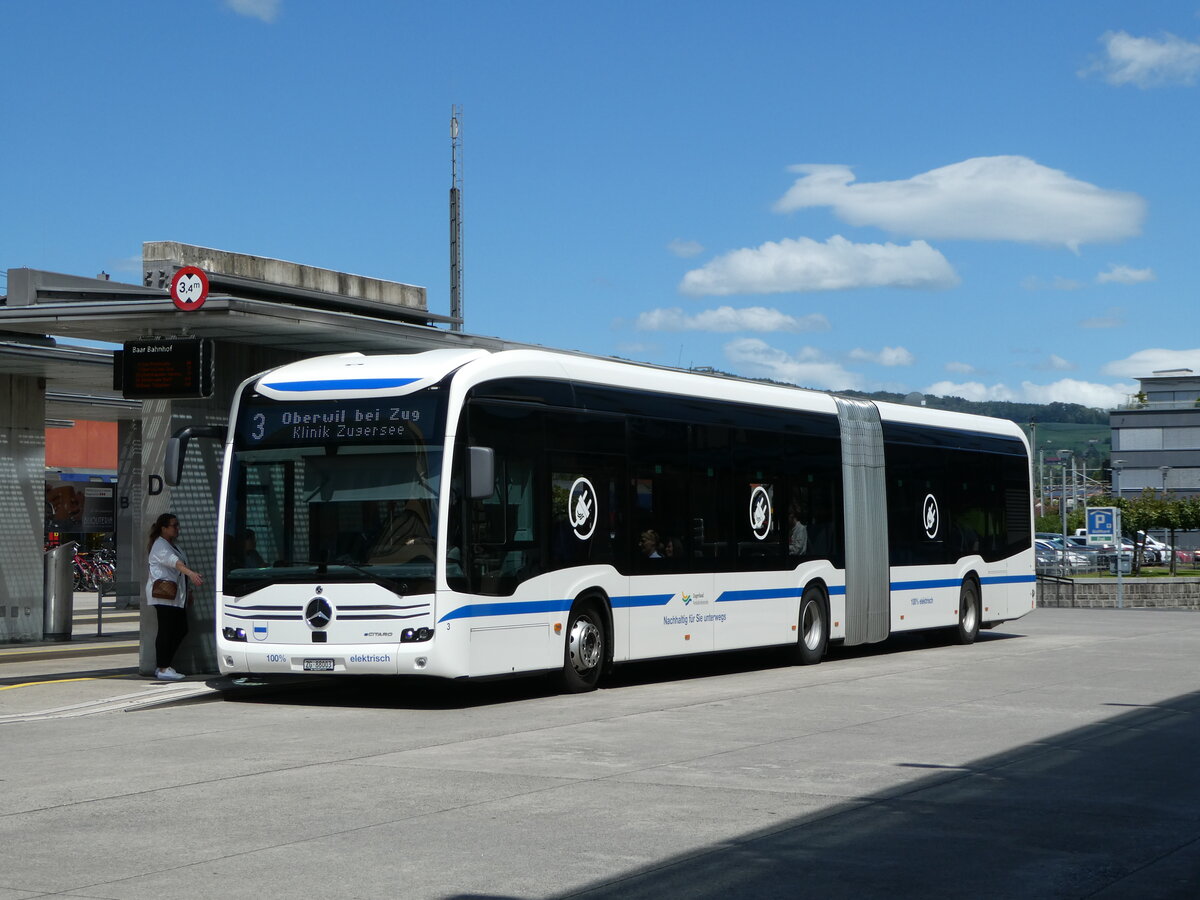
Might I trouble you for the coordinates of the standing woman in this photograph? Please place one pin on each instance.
(167, 591)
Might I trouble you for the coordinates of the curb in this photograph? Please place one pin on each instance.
(66, 650)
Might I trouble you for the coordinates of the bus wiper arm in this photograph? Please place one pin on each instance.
(396, 587)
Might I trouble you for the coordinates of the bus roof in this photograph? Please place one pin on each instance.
(347, 375)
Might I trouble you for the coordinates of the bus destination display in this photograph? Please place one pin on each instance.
(387, 420)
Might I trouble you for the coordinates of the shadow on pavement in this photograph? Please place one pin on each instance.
(415, 692)
(1107, 810)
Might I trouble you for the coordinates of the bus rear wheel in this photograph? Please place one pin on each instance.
(586, 648)
(969, 614)
(813, 638)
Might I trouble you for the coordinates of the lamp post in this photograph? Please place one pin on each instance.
(1164, 470)
(1041, 478)
(1033, 446)
(1064, 455)
(1117, 465)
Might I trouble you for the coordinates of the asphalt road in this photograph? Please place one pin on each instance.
(1058, 757)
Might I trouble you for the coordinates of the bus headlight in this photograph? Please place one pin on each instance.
(414, 635)
(235, 634)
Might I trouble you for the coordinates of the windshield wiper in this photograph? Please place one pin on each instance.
(396, 587)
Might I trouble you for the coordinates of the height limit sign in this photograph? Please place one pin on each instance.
(189, 288)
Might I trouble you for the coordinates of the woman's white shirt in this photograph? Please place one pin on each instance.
(163, 557)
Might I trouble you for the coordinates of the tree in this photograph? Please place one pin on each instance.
(1139, 514)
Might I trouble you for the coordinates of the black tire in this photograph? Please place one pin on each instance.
(813, 638)
(586, 648)
(970, 613)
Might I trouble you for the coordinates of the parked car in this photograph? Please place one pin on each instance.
(1106, 554)
(1150, 556)
(1057, 557)
(1047, 561)
(1153, 550)
(1056, 541)
(1162, 551)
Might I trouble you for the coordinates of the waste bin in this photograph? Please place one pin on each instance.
(58, 592)
(1125, 562)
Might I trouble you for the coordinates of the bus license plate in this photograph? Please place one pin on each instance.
(318, 665)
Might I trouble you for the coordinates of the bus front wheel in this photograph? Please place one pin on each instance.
(969, 614)
(583, 656)
(813, 639)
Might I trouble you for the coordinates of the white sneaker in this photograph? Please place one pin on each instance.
(168, 674)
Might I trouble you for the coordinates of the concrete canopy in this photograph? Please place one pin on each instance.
(255, 324)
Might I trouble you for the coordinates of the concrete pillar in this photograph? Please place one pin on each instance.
(130, 536)
(22, 513)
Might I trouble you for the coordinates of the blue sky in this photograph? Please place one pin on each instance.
(993, 200)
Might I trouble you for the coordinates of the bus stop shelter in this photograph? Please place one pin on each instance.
(259, 313)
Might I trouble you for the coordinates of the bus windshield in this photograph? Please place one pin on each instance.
(335, 490)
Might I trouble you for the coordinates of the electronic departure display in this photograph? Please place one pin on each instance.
(160, 370)
(387, 420)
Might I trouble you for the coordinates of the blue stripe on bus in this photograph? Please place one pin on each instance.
(956, 582)
(643, 600)
(1011, 579)
(925, 585)
(348, 384)
(760, 594)
(478, 610)
(770, 594)
(517, 608)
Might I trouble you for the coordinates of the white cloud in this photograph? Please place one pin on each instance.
(1070, 390)
(728, 319)
(807, 367)
(265, 10)
(1147, 362)
(1147, 62)
(1067, 390)
(888, 356)
(1125, 275)
(970, 390)
(685, 249)
(807, 265)
(988, 198)
(960, 368)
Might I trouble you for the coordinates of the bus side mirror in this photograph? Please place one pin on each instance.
(177, 449)
(481, 472)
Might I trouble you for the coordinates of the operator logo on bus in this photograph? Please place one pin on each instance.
(930, 516)
(760, 512)
(581, 508)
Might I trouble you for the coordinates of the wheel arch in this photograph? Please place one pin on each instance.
(972, 575)
(819, 582)
(598, 597)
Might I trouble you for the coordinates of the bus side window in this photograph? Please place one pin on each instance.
(504, 534)
(503, 540)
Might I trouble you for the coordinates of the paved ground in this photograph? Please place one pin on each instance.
(103, 646)
(1055, 758)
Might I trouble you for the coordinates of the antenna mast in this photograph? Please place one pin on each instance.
(456, 253)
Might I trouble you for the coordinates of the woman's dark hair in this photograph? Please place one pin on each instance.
(156, 529)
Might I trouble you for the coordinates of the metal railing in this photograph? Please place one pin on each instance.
(1134, 403)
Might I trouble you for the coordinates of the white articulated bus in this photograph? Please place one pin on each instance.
(465, 513)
